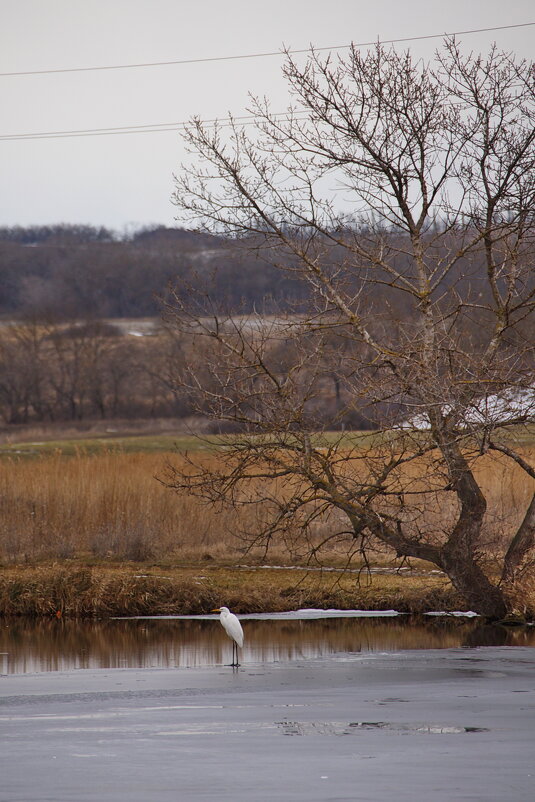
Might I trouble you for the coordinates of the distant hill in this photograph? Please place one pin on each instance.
(80, 271)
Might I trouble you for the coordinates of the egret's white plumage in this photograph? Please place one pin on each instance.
(233, 628)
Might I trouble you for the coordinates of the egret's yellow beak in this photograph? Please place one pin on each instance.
(217, 610)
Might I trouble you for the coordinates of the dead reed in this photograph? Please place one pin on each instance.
(65, 590)
(98, 535)
(106, 506)
(109, 506)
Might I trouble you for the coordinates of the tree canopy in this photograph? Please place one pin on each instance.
(403, 194)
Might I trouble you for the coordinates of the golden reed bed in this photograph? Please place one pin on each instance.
(75, 531)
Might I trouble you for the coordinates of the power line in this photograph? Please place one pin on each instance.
(150, 128)
(141, 129)
(143, 65)
(122, 129)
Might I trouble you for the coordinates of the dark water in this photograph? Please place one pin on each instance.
(51, 645)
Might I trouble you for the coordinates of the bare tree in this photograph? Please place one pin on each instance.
(403, 194)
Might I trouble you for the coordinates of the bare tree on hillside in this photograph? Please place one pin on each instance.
(433, 167)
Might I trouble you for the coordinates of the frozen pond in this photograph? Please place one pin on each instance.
(199, 641)
(435, 724)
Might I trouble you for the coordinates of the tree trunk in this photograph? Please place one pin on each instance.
(467, 577)
(457, 556)
(521, 543)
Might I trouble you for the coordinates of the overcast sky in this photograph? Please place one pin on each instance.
(126, 180)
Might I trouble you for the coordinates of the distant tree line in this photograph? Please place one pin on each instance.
(54, 372)
(64, 356)
(71, 271)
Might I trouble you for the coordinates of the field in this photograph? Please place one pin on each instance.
(87, 529)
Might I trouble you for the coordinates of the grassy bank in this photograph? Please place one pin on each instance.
(91, 532)
(101, 591)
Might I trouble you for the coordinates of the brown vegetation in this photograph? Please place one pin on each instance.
(105, 506)
(111, 506)
(82, 591)
(98, 535)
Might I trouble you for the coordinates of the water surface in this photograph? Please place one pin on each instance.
(50, 645)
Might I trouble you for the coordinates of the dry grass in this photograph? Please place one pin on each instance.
(103, 591)
(68, 524)
(110, 506)
(522, 594)
(107, 506)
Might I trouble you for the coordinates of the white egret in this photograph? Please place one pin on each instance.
(232, 627)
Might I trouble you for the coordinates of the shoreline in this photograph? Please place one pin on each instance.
(77, 590)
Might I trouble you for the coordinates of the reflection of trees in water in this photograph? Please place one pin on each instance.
(56, 645)
(499, 635)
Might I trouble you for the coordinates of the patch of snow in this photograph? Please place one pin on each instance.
(295, 615)
(511, 404)
(455, 613)
(324, 569)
